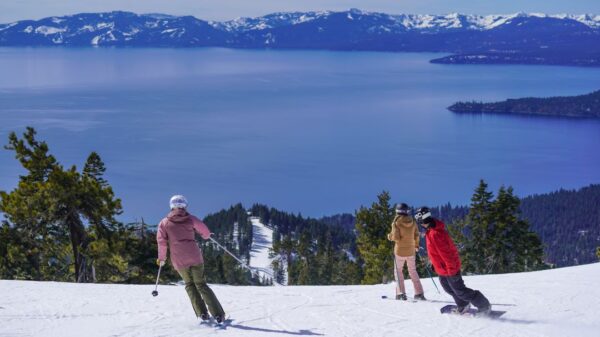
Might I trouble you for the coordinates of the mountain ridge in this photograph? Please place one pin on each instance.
(518, 38)
(476, 21)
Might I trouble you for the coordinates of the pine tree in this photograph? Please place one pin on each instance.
(325, 259)
(94, 168)
(493, 238)
(514, 247)
(305, 263)
(478, 225)
(372, 226)
(287, 249)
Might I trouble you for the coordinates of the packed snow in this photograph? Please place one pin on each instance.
(262, 242)
(561, 302)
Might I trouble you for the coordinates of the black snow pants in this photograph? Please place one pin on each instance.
(455, 286)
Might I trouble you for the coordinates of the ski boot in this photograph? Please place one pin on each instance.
(204, 317)
(484, 311)
(420, 297)
(219, 319)
(401, 297)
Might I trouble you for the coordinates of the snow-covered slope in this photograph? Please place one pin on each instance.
(262, 242)
(561, 302)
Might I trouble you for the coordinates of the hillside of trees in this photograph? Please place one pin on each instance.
(583, 106)
(306, 251)
(567, 222)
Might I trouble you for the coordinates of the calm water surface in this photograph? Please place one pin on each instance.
(305, 131)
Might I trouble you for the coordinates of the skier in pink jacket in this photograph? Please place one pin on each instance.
(177, 233)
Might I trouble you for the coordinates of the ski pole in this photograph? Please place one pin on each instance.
(251, 269)
(155, 292)
(428, 271)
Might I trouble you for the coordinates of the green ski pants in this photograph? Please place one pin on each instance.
(199, 292)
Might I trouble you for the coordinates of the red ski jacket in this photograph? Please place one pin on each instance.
(441, 250)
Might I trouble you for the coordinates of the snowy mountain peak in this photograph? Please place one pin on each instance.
(482, 22)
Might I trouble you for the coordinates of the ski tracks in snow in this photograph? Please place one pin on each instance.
(282, 320)
(552, 303)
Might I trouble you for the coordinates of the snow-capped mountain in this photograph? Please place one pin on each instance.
(544, 38)
(268, 21)
(124, 28)
(115, 28)
(399, 22)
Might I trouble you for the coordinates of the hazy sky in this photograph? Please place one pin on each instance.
(12, 10)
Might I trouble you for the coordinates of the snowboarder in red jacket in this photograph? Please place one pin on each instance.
(446, 262)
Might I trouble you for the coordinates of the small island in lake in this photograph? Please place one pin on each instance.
(583, 106)
(538, 58)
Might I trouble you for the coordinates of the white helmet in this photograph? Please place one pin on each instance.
(178, 201)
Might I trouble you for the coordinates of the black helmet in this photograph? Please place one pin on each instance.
(402, 209)
(423, 213)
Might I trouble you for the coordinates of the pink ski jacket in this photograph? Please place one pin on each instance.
(177, 232)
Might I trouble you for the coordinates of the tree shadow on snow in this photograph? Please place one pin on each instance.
(259, 241)
(296, 333)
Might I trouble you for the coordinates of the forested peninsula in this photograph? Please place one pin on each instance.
(583, 106)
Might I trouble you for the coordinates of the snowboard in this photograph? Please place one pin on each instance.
(472, 312)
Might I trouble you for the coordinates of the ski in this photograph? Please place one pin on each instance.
(385, 297)
(448, 309)
(224, 324)
(212, 323)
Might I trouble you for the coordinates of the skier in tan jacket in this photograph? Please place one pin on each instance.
(405, 234)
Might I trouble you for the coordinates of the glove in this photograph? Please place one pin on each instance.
(160, 263)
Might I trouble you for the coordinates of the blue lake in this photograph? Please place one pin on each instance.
(315, 132)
